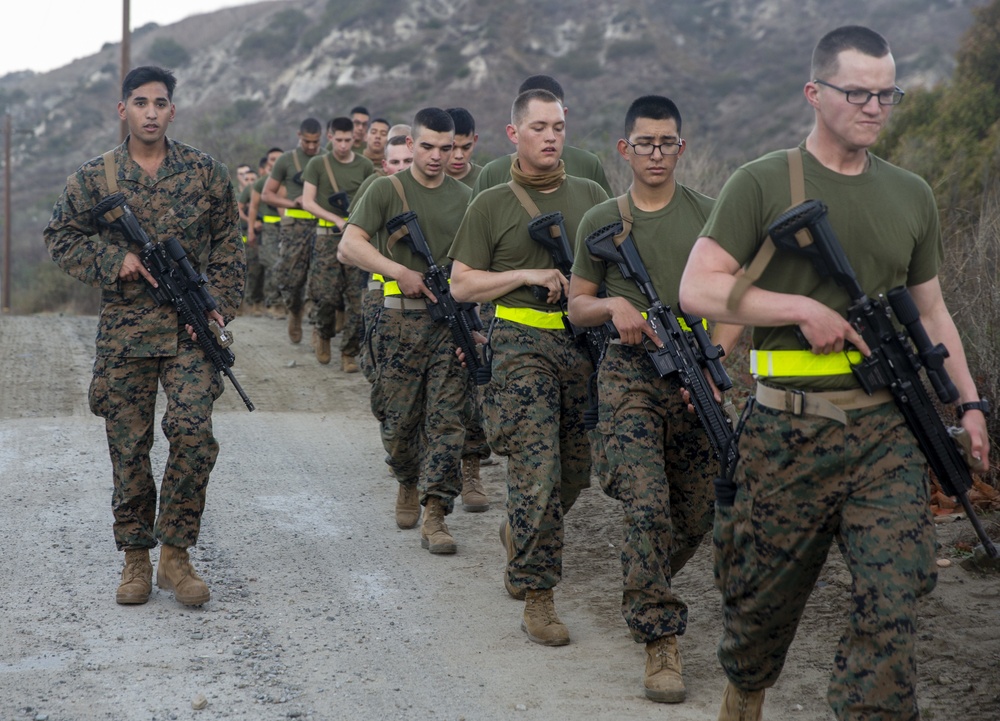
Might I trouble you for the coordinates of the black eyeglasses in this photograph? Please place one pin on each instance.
(861, 97)
(671, 147)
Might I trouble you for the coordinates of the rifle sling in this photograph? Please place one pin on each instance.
(626, 215)
(401, 232)
(797, 189)
(329, 173)
(111, 173)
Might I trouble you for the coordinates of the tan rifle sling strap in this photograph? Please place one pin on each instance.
(394, 238)
(526, 202)
(753, 271)
(329, 173)
(626, 215)
(111, 173)
(295, 159)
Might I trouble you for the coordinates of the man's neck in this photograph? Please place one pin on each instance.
(372, 156)
(148, 156)
(426, 181)
(343, 161)
(835, 156)
(652, 198)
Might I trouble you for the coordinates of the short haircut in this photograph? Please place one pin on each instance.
(359, 109)
(244, 165)
(383, 121)
(654, 107)
(433, 119)
(543, 82)
(465, 124)
(263, 161)
(143, 74)
(275, 149)
(311, 126)
(396, 140)
(848, 37)
(341, 124)
(399, 130)
(520, 106)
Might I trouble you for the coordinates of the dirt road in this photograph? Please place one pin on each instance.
(322, 609)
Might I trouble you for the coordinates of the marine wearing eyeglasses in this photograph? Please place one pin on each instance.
(807, 478)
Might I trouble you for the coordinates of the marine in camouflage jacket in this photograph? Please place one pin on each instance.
(192, 199)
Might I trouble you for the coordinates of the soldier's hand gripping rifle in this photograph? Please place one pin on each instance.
(178, 284)
(549, 231)
(685, 355)
(893, 364)
(462, 318)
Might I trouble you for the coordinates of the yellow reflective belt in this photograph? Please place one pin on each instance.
(327, 223)
(391, 287)
(271, 218)
(379, 277)
(244, 239)
(300, 214)
(531, 317)
(794, 363)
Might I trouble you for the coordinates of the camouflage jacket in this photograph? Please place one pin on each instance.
(192, 199)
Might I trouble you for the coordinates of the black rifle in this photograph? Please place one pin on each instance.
(684, 355)
(179, 284)
(893, 364)
(549, 231)
(340, 203)
(462, 318)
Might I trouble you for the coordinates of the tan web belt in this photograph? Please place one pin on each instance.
(827, 404)
(398, 302)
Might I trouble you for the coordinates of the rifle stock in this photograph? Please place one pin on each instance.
(179, 284)
(892, 363)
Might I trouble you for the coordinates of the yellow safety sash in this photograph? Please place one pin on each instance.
(801, 363)
(299, 213)
(532, 317)
(271, 218)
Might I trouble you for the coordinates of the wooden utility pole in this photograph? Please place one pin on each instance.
(126, 60)
(7, 130)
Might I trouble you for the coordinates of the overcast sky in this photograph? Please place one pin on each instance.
(43, 35)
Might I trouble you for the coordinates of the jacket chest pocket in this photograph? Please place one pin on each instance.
(188, 220)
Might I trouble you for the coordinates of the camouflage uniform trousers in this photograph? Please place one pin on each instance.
(418, 397)
(269, 243)
(123, 392)
(533, 414)
(325, 286)
(254, 289)
(371, 307)
(661, 469)
(355, 281)
(297, 237)
(475, 444)
(804, 481)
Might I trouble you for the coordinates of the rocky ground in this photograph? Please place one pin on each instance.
(323, 609)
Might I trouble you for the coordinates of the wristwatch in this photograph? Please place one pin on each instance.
(981, 405)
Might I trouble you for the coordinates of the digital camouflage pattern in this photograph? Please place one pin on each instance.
(140, 345)
(325, 284)
(269, 241)
(661, 469)
(294, 254)
(419, 398)
(863, 485)
(371, 307)
(533, 414)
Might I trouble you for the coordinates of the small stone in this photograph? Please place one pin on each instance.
(521, 707)
(797, 707)
(199, 702)
(197, 635)
(290, 364)
(943, 562)
(42, 717)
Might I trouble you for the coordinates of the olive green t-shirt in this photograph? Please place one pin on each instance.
(349, 176)
(262, 207)
(439, 212)
(470, 178)
(664, 239)
(886, 221)
(579, 163)
(285, 170)
(494, 234)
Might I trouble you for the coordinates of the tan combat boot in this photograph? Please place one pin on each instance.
(348, 363)
(507, 539)
(663, 682)
(407, 506)
(434, 535)
(322, 346)
(137, 578)
(740, 705)
(295, 326)
(474, 498)
(175, 573)
(540, 621)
